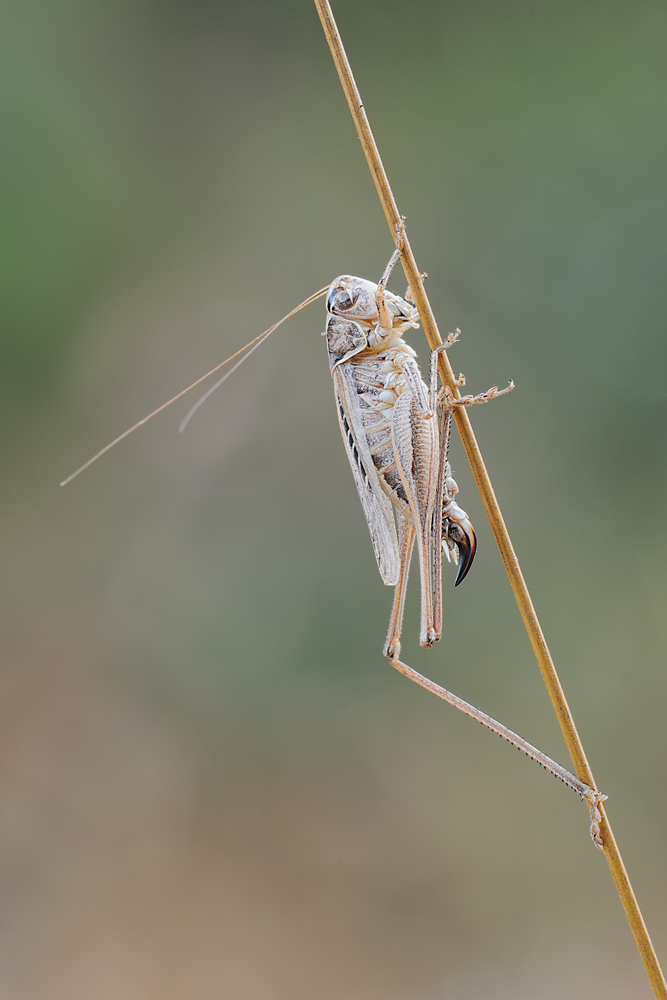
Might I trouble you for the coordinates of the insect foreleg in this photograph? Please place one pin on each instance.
(383, 312)
(391, 264)
(386, 322)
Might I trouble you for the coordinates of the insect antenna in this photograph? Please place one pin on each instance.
(253, 345)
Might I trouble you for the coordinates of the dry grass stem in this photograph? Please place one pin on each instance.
(502, 537)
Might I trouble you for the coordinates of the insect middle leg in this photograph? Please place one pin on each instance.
(482, 397)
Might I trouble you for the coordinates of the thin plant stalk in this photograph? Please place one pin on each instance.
(521, 593)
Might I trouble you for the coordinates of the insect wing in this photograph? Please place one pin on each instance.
(376, 505)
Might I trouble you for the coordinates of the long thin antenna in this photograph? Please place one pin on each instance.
(253, 345)
(209, 392)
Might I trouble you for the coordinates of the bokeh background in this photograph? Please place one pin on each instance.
(213, 786)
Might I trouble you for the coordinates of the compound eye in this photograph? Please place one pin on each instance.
(342, 299)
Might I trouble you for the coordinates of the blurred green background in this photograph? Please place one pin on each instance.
(213, 785)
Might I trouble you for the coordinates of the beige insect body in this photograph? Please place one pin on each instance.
(397, 445)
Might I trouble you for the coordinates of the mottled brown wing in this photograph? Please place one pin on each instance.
(376, 505)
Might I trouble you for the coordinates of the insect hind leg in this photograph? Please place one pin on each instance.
(590, 796)
(407, 534)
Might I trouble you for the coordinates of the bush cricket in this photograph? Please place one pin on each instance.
(396, 433)
(397, 445)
